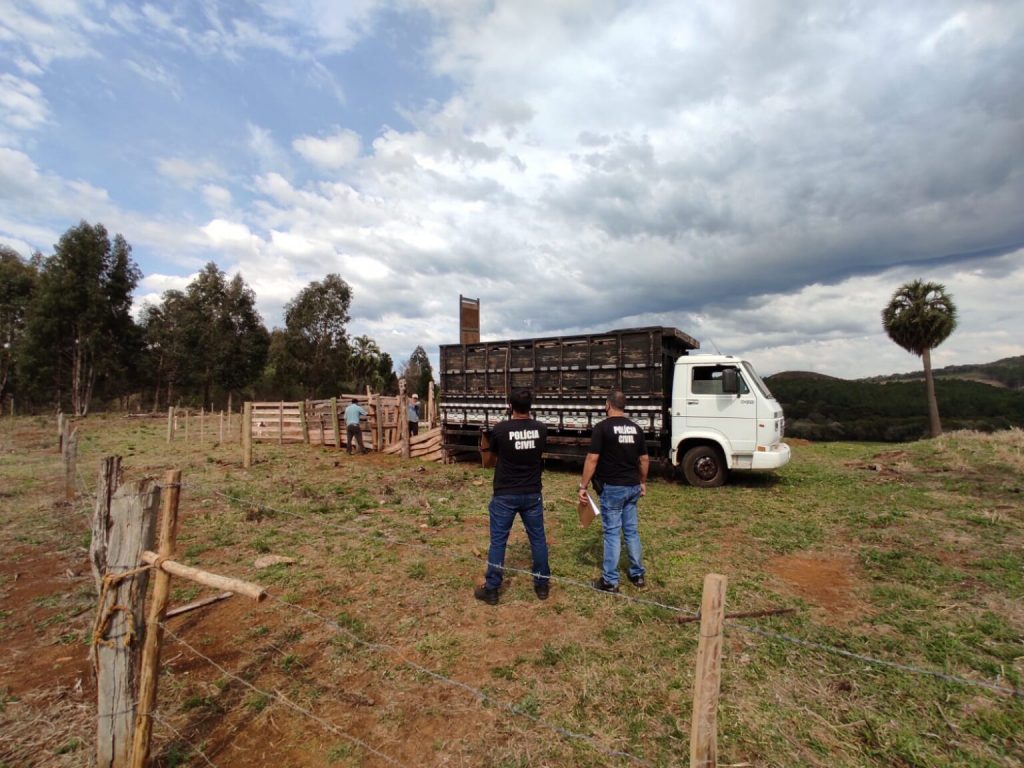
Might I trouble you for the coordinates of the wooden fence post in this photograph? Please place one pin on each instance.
(154, 632)
(188, 413)
(202, 425)
(70, 465)
(221, 441)
(247, 435)
(708, 677)
(123, 526)
(280, 423)
(378, 437)
(403, 420)
(60, 432)
(430, 406)
(302, 421)
(170, 423)
(334, 422)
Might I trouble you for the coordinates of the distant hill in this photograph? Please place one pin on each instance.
(986, 397)
(797, 375)
(1008, 372)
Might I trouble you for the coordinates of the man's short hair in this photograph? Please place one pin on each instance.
(521, 400)
(354, 401)
(617, 399)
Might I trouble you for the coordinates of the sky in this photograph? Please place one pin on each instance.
(762, 175)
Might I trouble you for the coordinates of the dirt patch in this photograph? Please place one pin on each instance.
(47, 610)
(823, 580)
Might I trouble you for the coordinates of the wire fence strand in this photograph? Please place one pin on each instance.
(822, 647)
(479, 694)
(286, 701)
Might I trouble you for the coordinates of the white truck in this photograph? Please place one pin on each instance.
(705, 414)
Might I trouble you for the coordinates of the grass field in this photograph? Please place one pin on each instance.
(372, 650)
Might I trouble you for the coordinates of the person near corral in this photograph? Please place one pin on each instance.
(518, 443)
(353, 414)
(414, 415)
(617, 462)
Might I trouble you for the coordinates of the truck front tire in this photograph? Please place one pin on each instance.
(704, 467)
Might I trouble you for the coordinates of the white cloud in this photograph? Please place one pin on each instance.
(217, 197)
(22, 104)
(188, 173)
(331, 152)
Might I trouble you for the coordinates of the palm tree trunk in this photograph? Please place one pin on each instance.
(934, 425)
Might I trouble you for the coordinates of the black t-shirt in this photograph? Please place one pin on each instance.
(519, 445)
(620, 443)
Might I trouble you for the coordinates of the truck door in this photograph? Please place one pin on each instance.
(709, 407)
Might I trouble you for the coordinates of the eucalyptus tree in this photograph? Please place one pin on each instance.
(17, 284)
(919, 317)
(223, 332)
(418, 373)
(79, 332)
(316, 350)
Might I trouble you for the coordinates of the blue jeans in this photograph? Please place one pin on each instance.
(503, 511)
(619, 513)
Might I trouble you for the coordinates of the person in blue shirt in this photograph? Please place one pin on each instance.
(352, 429)
(414, 415)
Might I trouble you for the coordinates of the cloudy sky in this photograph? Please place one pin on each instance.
(762, 175)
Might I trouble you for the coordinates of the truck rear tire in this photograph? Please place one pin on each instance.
(704, 467)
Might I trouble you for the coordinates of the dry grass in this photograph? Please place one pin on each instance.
(926, 539)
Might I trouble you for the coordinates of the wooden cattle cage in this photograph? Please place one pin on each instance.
(322, 422)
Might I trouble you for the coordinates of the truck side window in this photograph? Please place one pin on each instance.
(707, 380)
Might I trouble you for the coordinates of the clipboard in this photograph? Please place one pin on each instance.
(587, 511)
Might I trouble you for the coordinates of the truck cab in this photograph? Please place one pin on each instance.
(723, 417)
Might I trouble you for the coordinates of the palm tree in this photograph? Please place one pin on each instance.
(919, 317)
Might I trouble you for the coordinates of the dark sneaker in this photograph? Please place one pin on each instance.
(489, 596)
(603, 586)
(639, 581)
(542, 589)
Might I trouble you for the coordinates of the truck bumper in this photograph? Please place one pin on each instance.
(775, 457)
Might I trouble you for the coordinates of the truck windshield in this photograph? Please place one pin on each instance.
(758, 382)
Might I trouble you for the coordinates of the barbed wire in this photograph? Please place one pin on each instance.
(824, 647)
(903, 667)
(182, 739)
(459, 557)
(478, 693)
(286, 701)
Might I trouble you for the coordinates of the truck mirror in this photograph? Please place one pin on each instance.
(730, 381)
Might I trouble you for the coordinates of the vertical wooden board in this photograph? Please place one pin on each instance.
(129, 525)
(708, 675)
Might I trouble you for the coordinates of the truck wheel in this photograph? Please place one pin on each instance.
(704, 467)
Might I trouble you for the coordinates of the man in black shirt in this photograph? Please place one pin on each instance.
(518, 444)
(617, 462)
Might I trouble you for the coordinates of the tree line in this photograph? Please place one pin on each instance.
(69, 340)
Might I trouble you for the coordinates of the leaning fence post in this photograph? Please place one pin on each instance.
(154, 630)
(334, 423)
(704, 725)
(247, 435)
(403, 419)
(70, 465)
(122, 527)
(302, 421)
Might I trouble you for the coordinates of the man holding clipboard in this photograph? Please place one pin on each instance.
(617, 462)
